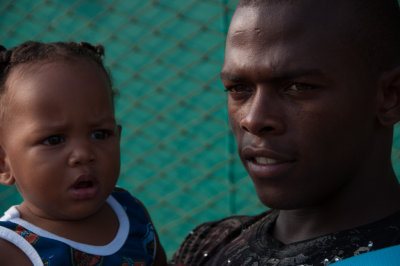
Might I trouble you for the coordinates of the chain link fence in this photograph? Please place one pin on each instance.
(178, 154)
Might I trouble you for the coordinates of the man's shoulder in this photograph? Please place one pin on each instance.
(220, 228)
(208, 236)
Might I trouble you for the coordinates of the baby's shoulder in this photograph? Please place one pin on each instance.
(131, 205)
(13, 248)
(11, 255)
(126, 199)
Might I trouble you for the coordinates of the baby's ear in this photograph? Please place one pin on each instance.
(389, 98)
(6, 177)
(119, 130)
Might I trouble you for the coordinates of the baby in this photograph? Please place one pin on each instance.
(59, 143)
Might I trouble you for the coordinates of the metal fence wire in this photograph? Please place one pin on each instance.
(178, 154)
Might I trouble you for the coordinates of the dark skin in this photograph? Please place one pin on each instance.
(53, 142)
(313, 123)
(13, 254)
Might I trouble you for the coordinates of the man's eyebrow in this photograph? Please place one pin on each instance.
(229, 76)
(275, 75)
(298, 73)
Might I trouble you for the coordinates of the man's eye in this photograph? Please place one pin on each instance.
(101, 134)
(299, 87)
(239, 91)
(53, 140)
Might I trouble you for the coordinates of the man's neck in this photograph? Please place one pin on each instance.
(346, 211)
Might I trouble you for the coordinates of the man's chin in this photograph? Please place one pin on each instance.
(281, 200)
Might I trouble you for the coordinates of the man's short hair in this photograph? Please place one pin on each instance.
(375, 26)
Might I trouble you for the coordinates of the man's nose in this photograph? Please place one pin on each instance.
(263, 113)
(81, 153)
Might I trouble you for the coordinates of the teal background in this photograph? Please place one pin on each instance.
(178, 154)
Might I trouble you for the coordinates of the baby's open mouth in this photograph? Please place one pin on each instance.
(83, 184)
(85, 187)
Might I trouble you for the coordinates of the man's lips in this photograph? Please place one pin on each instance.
(265, 160)
(265, 155)
(266, 163)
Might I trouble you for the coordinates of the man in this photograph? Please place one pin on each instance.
(313, 95)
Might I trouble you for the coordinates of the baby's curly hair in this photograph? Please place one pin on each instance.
(32, 52)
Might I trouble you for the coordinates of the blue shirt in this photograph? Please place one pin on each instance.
(134, 243)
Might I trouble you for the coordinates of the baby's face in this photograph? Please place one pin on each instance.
(61, 142)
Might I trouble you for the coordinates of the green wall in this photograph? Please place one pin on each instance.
(178, 155)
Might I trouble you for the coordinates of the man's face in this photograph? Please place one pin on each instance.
(300, 103)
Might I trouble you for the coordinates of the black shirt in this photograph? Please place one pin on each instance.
(246, 240)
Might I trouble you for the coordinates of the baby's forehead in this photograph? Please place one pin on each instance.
(46, 79)
(52, 68)
(43, 64)
(56, 81)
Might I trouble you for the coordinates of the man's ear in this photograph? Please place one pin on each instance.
(6, 178)
(389, 98)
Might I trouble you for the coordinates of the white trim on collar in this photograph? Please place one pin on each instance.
(12, 215)
(22, 244)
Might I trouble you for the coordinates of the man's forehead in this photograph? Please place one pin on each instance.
(278, 41)
(295, 27)
(278, 15)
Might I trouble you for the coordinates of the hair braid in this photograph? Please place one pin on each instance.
(32, 52)
(5, 58)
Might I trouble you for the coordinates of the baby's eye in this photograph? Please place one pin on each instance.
(101, 134)
(53, 140)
